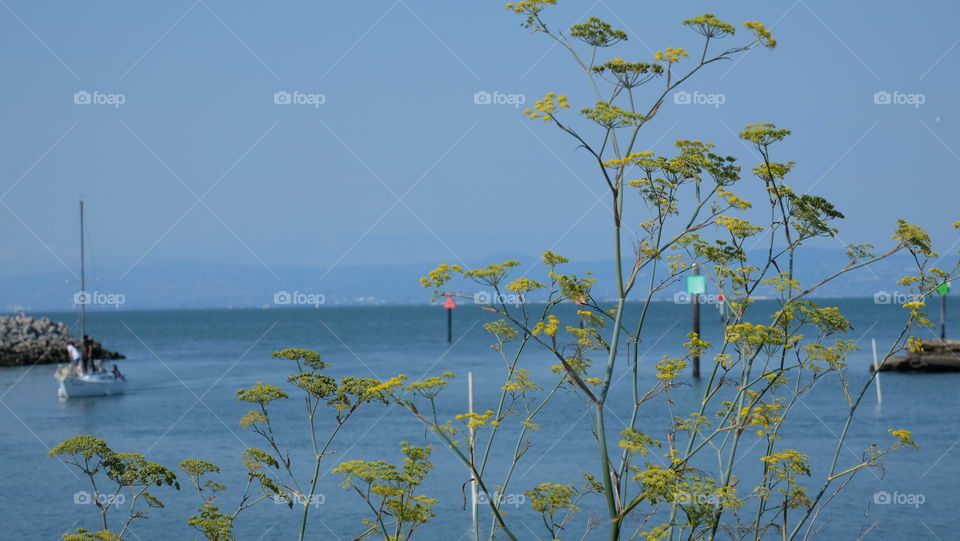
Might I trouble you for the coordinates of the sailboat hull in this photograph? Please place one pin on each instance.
(90, 385)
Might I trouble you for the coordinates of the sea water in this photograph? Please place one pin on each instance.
(184, 368)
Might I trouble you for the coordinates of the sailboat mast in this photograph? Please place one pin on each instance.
(83, 286)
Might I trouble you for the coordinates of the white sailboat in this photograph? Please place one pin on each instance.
(73, 383)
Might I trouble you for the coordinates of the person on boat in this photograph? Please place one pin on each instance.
(74, 355)
(88, 347)
(87, 358)
(117, 376)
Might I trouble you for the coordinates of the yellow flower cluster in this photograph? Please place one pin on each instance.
(749, 336)
(788, 463)
(914, 305)
(549, 327)
(783, 282)
(776, 379)
(636, 442)
(738, 227)
(440, 275)
(835, 356)
(524, 285)
(904, 437)
(474, 420)
(251, 418)
(657, 533)
(395, 381)
(623, 162)
(676, 264)
(669, 368)
(543, 108)
(547, 498)
(551, 259)
(671, 55)
(733, 200)
(763, 415)
(530, 424)
(693, 422)
(585, 337)
(656, 478)
(520, 382)
(696, 346)
(590, 318)
(725, 359)
(763, 35)
(431, 387)
(529, 6)
(501, 329)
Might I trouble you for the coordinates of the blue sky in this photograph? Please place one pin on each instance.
(398, 164)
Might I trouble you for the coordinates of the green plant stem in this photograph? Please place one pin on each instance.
(316, 466)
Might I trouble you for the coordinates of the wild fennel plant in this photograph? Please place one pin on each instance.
(755, 376)
(264, 467)
(760, 370)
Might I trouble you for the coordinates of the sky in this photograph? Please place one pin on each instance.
(185, 158)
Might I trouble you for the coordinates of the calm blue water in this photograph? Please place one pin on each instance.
(185, 366)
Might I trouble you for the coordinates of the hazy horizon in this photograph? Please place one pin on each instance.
(198, 163)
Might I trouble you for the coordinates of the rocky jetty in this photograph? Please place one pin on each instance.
(28, 340)
(937, 356)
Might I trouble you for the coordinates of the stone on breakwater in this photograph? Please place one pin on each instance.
(937, 356)
(28, 340)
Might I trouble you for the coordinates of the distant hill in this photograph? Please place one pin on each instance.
(205, 285)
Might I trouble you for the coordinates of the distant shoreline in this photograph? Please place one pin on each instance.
(462, 303)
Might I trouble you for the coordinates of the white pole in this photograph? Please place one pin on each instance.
(473, 485)
(876, 369)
